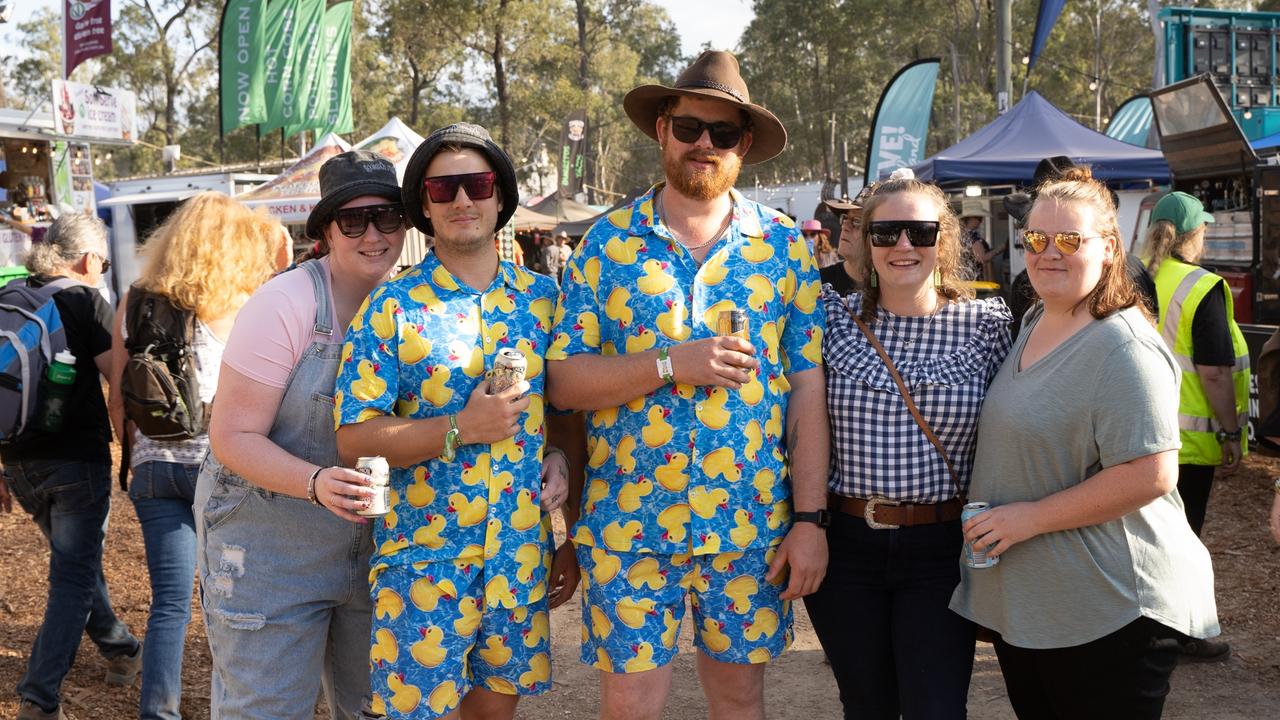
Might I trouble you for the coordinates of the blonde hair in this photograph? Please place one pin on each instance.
(1115, 289)
(821, 244)
(1163, 241)
(950, 265)
(210, 254)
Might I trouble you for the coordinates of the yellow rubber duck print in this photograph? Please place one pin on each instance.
(722, 462)
(755, 440)
(630, 494)
(655, 280)
(624, 459)
(538, 631)
(705, 502)
(670, 628)
(542, 308)
(743, 532)
(723, 562)
(624, 252)
(405, 698)
(671, 322)
(470, 620)
(443, 280)
(468, 512)
(383, 321)
(711, 316)
(712, 413)
(764, 623)
(588, 327)
(658, 432)
(384, 650)
(619, 537)
(509, 450)
(798, 251)
(539, 671)
(426, 295)
(600, 623)
(764, 482)
(632, 612)
(617, 308)
(807, 296)
(389, 604)
(528, 559)
(674, 522)
(527, 513)
(435, 388)
(605, 566)
(477, 472)
(671, 475)
(429, 535)
(420, 493)
(533, 357)
(643, 659)
(740, 590)
(645, 572)
(757, 250)
(428, 651)
(391, 546)
(444, 697)
(495, 651)
(497, 593)
(644, 339)
(762, 293)
(713, 636)
(369, 387)
(425, 592)
(713, 271)
(769, 336)
(413, 346)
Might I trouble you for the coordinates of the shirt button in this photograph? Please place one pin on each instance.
(487, 339)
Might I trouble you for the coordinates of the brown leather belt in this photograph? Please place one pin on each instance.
(885, 514)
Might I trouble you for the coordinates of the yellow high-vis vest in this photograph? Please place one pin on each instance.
(1181, 287)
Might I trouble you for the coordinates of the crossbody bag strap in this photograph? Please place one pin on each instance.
(906, 397)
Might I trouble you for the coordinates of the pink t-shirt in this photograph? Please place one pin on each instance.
(277, 326)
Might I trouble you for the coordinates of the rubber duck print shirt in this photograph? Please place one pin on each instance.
(416, 349)
(690, 469)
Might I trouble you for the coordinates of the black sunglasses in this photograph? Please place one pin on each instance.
(106, 264)
(920, 233)
(444, 188)
(724, 135)
(354, 221)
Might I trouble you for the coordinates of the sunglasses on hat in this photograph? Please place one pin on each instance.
(354, 221)
(1037, 241)
(444, 188)
(920, 233)
(724, 135)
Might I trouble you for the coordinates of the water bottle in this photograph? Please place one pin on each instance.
(58, 380)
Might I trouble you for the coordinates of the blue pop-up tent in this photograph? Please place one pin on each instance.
(1008, 148)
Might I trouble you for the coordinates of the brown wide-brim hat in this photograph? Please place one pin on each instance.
(713, 75)
(842, 205)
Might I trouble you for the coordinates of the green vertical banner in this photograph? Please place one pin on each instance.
(337, 116)
(240, 63)
(320, 83)
(308, 58)
(289, 22)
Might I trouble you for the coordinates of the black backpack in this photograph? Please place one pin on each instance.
(159, 384)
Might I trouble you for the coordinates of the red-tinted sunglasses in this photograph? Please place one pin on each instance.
(444, 188)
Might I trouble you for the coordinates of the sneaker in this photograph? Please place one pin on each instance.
(1197, 650)
(123, 669)
(28, 710)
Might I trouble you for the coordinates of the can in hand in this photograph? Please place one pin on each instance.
(733, 322)
(976, 558)
(509, 368)
(376, 468)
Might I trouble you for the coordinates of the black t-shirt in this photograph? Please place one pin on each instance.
(1210, 332)
(838, 279)
(86, 436)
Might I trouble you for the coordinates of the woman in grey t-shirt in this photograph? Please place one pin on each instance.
(1077, 454)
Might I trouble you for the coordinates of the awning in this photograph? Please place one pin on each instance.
(155, 197)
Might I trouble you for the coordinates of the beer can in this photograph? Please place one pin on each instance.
(376, 467)
(976, 558)
(733, 322)
(509, 368)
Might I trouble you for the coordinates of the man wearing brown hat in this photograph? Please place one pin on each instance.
(688, 325)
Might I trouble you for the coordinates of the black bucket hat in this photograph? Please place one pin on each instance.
(465, 135)
(347, 176)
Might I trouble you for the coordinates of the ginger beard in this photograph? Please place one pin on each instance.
(700, 183)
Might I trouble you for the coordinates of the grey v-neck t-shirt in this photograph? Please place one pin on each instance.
(1105, 396)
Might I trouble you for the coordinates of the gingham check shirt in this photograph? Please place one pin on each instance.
(946, 361)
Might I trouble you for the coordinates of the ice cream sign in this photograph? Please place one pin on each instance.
(90, 111)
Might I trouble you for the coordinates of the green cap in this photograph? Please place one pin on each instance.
(1183, 211)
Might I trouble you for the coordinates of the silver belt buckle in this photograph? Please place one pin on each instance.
(869, 513)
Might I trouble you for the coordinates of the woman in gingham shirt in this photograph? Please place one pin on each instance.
(895, 540)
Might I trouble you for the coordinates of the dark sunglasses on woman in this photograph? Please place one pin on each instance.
(444, 188)
(1037, 241)
(353, 222)
(724, 135)
(920, 233)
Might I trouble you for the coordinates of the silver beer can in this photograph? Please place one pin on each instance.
(976, 558)
(509, 368)
(733, 322)
(376, 468)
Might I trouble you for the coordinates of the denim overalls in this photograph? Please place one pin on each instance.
(284, 583)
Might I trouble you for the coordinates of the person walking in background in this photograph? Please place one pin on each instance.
(694, 424)
(283, 557)
(1197, 322)
(1098, 571)
(467, 539)
(207, 258)
(555, 256)
(63, 478)
(819, 239)
(840, 276)
(977, 251)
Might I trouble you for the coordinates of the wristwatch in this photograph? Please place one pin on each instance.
(452, 439)
(1224, 436)
(821, 518)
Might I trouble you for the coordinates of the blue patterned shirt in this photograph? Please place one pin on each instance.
(685, 468)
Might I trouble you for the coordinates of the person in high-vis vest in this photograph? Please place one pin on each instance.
(1197, 323)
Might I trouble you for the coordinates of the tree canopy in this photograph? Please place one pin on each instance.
(519, 66)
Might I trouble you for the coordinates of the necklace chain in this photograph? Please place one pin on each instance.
(908, 343)
(662, 215)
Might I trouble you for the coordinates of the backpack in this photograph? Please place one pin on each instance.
(30, 335)
(159, 383)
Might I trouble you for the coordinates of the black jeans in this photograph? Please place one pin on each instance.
(1194, 484)
(882, 618)
(1121, 676)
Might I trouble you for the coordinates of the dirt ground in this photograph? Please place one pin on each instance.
(799, 686)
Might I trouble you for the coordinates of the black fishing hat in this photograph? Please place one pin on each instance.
(465, 135)
(347, 176)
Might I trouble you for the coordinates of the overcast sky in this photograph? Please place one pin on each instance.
(719, 22)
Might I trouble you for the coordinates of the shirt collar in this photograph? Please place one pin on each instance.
(643, 216)
(444, 282)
